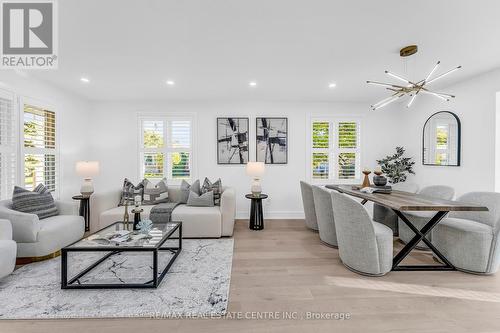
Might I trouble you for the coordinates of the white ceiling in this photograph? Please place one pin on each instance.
(292, 48)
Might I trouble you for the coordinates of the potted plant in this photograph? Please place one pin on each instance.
(396, 167)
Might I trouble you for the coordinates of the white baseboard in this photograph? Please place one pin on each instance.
(273, 215)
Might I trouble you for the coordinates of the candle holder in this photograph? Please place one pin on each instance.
(366, 180)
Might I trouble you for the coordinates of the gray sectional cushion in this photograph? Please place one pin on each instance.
(186, 188)
(39, 202)
(215, 187)
(201, 200)
(155, 194)
(130, 191)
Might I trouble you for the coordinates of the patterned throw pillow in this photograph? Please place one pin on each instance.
(39, 202)
(200, 200)
(186, 188)
(129, 192)
(215, 187)
(155, 194)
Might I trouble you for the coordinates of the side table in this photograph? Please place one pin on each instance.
(256, 214)
(84, 209)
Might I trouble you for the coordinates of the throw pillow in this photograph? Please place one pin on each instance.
(155, 194)
(215, 187)
(186, 188)
(39, 203)
(130, 191)
(201, 200)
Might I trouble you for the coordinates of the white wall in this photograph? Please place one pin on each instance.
(72, 117)
(475, 105)
(114, 137)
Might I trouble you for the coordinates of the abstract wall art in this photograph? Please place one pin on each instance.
(232, 140)
(272, 140)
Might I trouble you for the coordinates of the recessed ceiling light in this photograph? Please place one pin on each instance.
(85, 79)
(252, 84)
(170, 82)
(332, 85)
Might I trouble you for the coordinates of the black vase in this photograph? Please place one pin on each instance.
(379, 180)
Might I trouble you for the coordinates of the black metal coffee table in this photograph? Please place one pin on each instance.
(162, 231)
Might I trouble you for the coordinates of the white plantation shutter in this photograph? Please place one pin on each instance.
(40, 147)
(166, 147)
(335, 150)
(8, 147)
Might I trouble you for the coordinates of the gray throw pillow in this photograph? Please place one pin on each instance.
(130, 191)
(215, 187)
(203, 200)
(155, 194)
(39, 202)
(186, 188)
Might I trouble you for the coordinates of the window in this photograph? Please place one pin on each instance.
(8, 147)
(39, 147)
(166, 148)
(335, 150)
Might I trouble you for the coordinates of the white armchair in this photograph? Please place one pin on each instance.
(7, 249)
(39, 238)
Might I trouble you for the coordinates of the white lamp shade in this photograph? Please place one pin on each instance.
(87, 169)
(256, 169)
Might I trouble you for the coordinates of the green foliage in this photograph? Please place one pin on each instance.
(321, 134)
(396, 167)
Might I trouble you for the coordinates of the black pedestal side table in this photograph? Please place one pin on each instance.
(84, 209)
(256, 214)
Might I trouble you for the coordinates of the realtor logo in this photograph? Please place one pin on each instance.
(29, 34)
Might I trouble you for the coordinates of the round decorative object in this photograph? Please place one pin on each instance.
(145, 226)
(379, 180)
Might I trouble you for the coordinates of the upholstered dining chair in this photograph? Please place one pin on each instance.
(324, 215)
(308, 202)
(419, 219)
(470, 239)
(365, 247)
(385, 215)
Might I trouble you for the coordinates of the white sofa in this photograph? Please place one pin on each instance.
(7, 249)
(197, 222)
(39, 238)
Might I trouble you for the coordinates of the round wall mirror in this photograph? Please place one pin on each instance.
(441, 139)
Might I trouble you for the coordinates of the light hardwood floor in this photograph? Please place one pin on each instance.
(286, 268)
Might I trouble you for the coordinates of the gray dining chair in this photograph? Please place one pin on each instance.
(324, 215)
(385, 215)
(365, 247)
(469, 240)
(308, 202)
(419, 219)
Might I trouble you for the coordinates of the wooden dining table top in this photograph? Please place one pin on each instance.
(405, 201)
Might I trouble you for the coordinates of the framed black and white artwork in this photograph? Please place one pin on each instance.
(232, 140)
(272, 140)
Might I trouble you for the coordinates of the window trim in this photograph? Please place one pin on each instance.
(167, 116)
(14, 147)
(334, 150)
(23, 100)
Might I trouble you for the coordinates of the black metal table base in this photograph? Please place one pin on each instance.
(256, 215)
(420, 235)
(157, 277)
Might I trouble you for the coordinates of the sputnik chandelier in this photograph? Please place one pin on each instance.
(411, 89)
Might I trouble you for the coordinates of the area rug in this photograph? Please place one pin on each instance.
(196, 285)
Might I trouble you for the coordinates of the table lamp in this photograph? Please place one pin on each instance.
(87, 169)
(256, 170)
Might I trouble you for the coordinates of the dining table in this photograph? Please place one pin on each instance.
(401, 202)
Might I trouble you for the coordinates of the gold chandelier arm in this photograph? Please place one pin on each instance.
(386, 101)
(385, 84)
(399, 77)
(432, 72)
(444, 74)
(425, 90)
